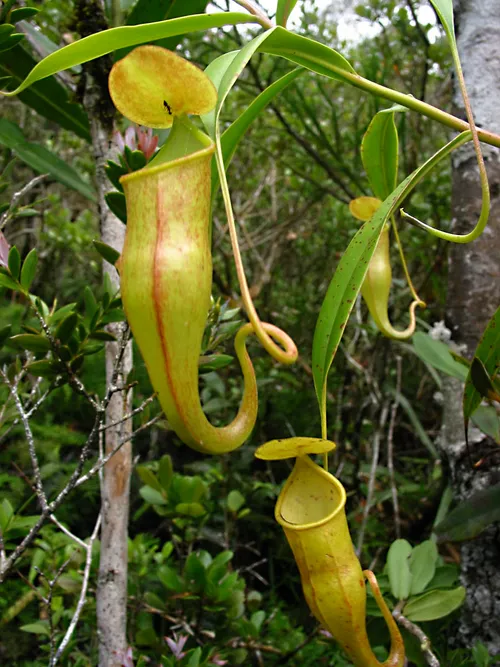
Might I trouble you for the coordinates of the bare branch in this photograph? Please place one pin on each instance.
(13, 387)
(103, 460)
(16, 198)
(425, 644)
(83, 594)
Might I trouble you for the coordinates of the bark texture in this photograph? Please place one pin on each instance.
(473, 296)
(112, 581)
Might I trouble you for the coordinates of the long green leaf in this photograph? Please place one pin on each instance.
(471, 516)
(49, 98)
(235, 132)
(42, 160)
(488, 352)
(351, 270)
(152, 11)
(283, 11)
(379, 152)
(306, 52)
(107, 41)
(444, 9)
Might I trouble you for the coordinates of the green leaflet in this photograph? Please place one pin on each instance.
(351, 270)
(110, 40)
(379, 152)
(434, 604)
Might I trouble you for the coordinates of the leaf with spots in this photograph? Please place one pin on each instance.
(350, 273)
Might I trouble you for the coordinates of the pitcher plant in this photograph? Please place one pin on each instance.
(311, 511)
(376, 286)
(166, 264)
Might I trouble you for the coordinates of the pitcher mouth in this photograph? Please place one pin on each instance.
(310, 498)
(206, 148)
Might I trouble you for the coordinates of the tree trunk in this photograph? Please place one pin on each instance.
(473, 296)
(111, 596)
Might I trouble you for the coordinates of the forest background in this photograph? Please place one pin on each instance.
(207, 566)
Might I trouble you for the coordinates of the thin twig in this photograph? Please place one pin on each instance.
(67, 532)
(264, 20)
(425, 644)
(13, 387)
(390, 448)
(103, 460)
(16, 198)
(83, 594)
(135, 412)
(373, 473)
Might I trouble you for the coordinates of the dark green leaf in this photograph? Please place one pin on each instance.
(44, 368)
(49, 98)
(31, 342)
(481, 379)
(29, 268)
(471, 516)
(170, 579)
(23, 13)
(92, 349)
(135, 159)
(114, 172)
(117, 204)
(488, 353)
(6, 29)
(67, 327)
(107, 252)
(434, 604)
(42, 160)
(14, 262)
(102, 335)
(5, 333)
(194, 572)
(12, 41)
(5, 281)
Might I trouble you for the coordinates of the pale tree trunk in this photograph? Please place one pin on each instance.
(473, 296)
(112, 582)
